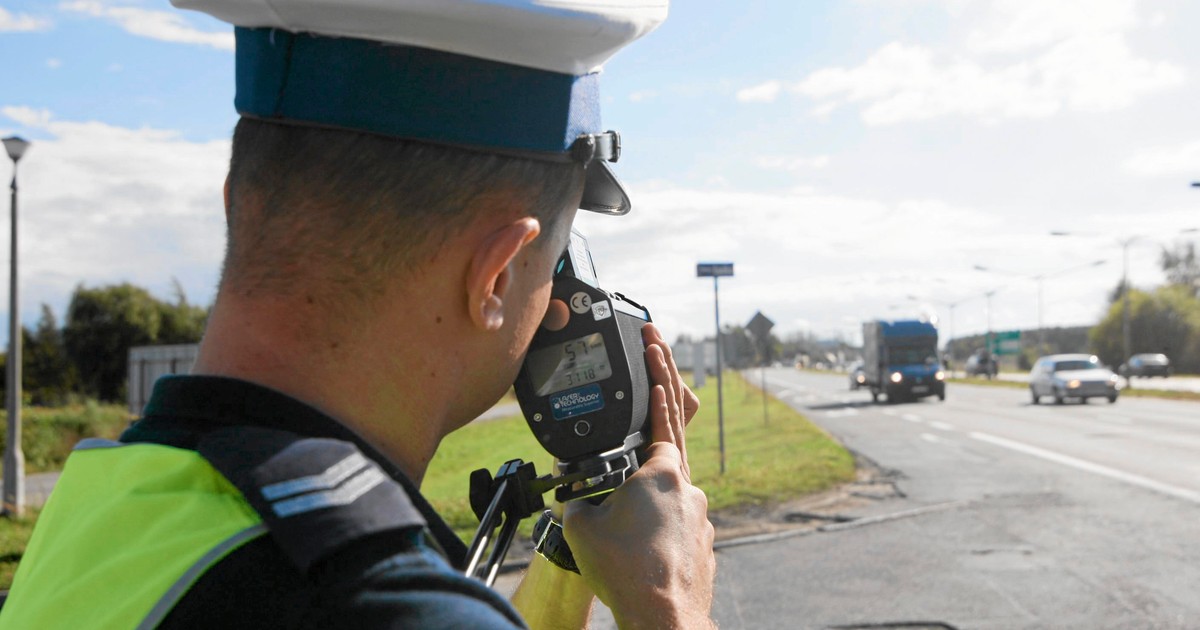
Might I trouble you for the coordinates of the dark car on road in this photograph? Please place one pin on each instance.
(981, 364)
(1146, 366)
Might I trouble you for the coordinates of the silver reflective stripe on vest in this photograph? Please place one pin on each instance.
(189, 577)
(95, 443)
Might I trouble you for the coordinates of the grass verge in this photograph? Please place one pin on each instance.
(49, 433)
(14, 535)
(765, 462)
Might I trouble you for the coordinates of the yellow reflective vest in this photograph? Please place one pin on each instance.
(126, 532)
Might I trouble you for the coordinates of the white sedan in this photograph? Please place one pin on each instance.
(1065, 376)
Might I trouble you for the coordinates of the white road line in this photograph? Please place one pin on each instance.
(911, 417)
(889, 412)
(1112, 473)
(942, 426)
(1115, 419)
(929, 437)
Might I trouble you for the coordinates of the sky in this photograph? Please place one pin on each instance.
(854, 159)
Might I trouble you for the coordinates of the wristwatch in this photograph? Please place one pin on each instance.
(548, 542)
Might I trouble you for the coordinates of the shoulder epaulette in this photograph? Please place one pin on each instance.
(315, 495)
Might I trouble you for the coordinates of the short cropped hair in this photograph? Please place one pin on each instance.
(353, 209)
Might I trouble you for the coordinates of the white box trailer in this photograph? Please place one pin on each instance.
(148, 363)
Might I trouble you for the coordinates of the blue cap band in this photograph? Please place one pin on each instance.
(410, 92)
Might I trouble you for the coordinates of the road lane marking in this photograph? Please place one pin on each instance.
(941, 425)
(1098, 469)
(911, 417)
(888, 412)
(929, 437)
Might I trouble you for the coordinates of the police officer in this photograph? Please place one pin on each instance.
(403, 178)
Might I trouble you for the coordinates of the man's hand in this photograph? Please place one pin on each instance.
(647, 551)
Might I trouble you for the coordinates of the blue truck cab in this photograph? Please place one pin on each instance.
(900, 360)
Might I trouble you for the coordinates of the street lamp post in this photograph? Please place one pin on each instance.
(1126, 333)
(14, 458)
(1041, 278)
(988, 337)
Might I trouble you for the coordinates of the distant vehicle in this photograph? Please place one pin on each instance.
(981, 364)
(900, 360)
(1065, 376)
(857, 376)
(1146, 366)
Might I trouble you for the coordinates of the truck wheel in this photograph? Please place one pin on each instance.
(1112, 398)
(942, 395)
(1058, 397)
(874, 396)
(1033, 395)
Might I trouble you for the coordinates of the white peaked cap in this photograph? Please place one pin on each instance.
(568, 36)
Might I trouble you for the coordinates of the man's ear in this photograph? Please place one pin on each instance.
(490, 272)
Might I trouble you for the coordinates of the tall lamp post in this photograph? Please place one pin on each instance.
(1040, 278)
(14, 458)
(1126, 333)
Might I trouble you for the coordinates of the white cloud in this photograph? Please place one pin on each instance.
(1024, 59)
(643, 95)
(105, 204)
(53, 63)
(167, 26)
(1183, 160)
(22, 22)
(901, 83)
(761, 93)
(792, 163)
(1018, 25)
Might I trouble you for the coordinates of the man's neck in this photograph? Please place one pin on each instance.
(271, 342)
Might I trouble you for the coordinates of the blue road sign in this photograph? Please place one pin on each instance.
(704, 270)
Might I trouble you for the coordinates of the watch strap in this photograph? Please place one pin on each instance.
(549, 542)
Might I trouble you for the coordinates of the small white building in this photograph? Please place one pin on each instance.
(148, 363)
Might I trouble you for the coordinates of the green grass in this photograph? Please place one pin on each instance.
(49, 433)
(765, 463)
(14, 535)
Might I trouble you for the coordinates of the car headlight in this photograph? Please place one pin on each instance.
(897, 377)
(860, 378)
(940, 375)
(1074, 383)
(1112, 378)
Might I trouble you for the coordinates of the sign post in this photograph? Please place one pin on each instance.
(716, 271)
(760, 326)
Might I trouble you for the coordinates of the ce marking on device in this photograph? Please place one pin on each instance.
(581, 303)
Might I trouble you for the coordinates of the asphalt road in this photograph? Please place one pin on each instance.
(1012, 516)
(1015, 516)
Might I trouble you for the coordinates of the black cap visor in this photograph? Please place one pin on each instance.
(603, 192)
